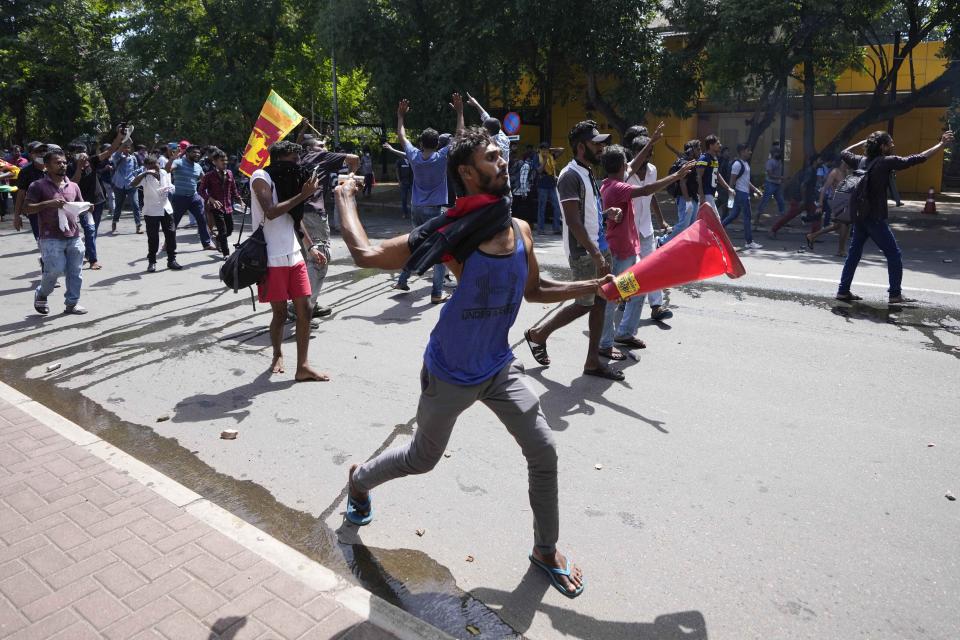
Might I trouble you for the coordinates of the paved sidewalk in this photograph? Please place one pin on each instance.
(86, 551)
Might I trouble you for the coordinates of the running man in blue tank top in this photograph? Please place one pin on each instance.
(468, 358)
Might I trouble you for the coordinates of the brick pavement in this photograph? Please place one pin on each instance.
(88, 552)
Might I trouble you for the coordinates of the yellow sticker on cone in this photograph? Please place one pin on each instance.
(627, 284)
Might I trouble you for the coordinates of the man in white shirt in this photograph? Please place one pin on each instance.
(642, 214)
(740, 177)
(287, 277)
(158, 213)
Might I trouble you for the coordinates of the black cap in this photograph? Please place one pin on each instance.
(36, 146)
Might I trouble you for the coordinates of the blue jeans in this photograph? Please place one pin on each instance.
(882, 236)
(420, 216)
(405, 192)
(90, 232)
(686, 214)
(775, 191)
(741, 202)
(193, 204)
(543, 195)
(119, 196)
(62, 257)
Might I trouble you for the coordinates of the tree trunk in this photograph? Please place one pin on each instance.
(596, 100)
(893, 80)
(769, 105)
(881, 109)
(809, 131)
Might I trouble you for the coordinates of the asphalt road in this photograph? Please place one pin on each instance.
(765, 470)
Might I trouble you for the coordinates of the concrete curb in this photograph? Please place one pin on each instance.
(311, 573)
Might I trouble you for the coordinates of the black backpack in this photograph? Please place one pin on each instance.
(247, 265)
(674, 188)
(850, 196)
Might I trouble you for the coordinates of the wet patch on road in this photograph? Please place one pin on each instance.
(928, 321)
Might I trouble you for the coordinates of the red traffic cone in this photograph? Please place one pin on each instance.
(701, 251)
(931, 206)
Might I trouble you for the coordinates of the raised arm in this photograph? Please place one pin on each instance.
(641, 158)
(476, 105)
(653, 187)
(388, 147)
(402, 109)
(117, 141)
(945, 141)
(456, 103)
(390, 254)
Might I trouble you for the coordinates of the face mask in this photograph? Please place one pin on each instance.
(38, 160)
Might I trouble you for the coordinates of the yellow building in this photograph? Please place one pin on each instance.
(914, 131)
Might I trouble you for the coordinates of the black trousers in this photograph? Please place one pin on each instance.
(224, 224)
(154, 225)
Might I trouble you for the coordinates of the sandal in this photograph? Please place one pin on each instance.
(554, 572)
(809, 242)
(847, 297)
(605, 372)
(902, 300)
(631, 343)
(609, 353)
(359, 513)
(539, 351)
(40, 305)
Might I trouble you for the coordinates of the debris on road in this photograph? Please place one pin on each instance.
(598, 467)
(930, 444)
(948, 260)
(470, 558)
(447, 454)
(474, 631)
(229, 434)
(163, 418)
(949, 496)
(420, 532)
(53, 367)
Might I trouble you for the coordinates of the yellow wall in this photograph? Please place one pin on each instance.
(926, 65)
(915, 131)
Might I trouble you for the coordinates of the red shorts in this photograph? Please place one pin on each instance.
(284, 283)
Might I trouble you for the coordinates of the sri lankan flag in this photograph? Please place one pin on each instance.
(276, 120)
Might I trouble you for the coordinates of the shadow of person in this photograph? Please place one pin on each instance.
(227, 628)
(560, 401)
(231, 403)
(518, 608)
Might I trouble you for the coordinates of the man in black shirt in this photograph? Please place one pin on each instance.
(85, 171)
(28, 175)
(872, 223)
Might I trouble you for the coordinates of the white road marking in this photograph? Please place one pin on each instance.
(861, 284)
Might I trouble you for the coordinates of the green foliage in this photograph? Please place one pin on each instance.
(196, 69)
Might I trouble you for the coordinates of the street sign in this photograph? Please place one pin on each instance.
(511, 123)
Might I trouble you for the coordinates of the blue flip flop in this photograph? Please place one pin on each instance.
(553, 572)
(359, 513)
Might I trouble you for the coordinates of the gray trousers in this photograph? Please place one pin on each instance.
(508, 395)
(319, 230)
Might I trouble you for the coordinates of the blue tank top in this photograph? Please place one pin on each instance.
(469, 343)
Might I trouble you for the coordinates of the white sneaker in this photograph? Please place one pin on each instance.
(753, 245)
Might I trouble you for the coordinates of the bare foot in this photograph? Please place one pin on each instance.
(306, 374)
(558, 560)
(356, 494)
(277, 365)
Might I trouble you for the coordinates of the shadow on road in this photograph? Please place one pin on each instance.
(560, 400)
(518, 607)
